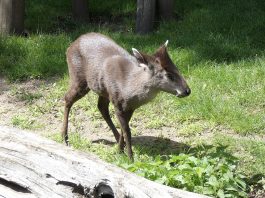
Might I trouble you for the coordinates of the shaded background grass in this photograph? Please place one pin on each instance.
(203, 31)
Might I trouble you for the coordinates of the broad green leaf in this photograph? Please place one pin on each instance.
(220, 193)
(213, 181)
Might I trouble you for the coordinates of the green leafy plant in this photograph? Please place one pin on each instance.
(210, 175)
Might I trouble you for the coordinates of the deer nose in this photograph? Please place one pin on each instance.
(188, 91)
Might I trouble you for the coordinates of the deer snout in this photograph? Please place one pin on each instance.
(184, 93)
(188, 91)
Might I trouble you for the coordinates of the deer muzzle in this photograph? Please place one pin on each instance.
(184, 93)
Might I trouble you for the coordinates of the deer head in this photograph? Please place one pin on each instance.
(164, 72)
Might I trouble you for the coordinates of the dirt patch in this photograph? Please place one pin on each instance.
(15, 99)
(24, 101)
(18, 99)
(8, 107)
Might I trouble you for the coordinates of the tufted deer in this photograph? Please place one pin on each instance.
(97, 63)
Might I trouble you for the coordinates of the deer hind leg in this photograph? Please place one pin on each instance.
(75, 93)
(103, 106)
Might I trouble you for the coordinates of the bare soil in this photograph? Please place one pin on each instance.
(12, 104)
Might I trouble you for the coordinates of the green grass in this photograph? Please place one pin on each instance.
(204, 169)
(218, 46)
(25, 122)
(254, 150)
(36, 57)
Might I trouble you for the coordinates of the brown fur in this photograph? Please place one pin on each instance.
(97, 63)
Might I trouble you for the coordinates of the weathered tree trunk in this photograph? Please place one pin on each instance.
(18, 14)
(80, 11)
(145, 16)
(166, 9)
(12, 16)
(31, 166)
(5, 16)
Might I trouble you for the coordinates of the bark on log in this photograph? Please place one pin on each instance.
(32, 166)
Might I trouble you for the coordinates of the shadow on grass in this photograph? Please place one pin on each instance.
(158, 146)
(154, 146)
(257, 182)
(151, 145)
(35, 57)
(51, 17)
(12, 53)
(104, 141)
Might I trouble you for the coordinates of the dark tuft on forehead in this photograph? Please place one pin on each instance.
(165, 60)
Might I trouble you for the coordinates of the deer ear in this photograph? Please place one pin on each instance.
(139, 56)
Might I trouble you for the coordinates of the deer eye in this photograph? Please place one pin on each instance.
(171, 76)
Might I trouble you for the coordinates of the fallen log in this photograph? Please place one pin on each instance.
(32, 166)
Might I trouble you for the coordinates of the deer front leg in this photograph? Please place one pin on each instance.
(124, 118)
(103, 106)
